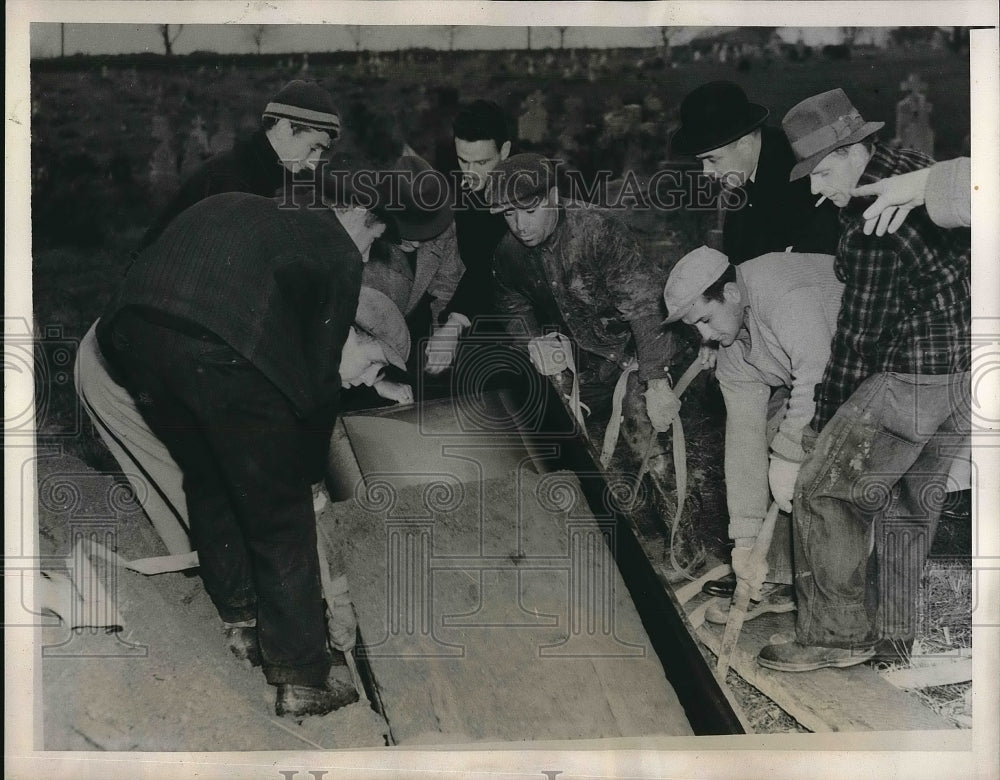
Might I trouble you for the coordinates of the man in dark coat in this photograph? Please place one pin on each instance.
(234, 333)
(297, 125)
(765, 212)
(482, 141)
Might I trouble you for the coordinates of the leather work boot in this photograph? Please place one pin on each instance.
(724, 588)
(795, 657)
(774, 598)
(300, 701)
(243, 642)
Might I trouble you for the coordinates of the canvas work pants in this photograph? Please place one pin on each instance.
(881, 464)
(248, 464)
(155, 477)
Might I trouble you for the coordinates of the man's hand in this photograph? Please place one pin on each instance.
(394, 391)
(662, 405)
(708, 354)
(781, 477)
(897, 196)
(443, 344)
(752, 575)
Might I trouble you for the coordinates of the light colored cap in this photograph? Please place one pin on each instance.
(690, 277)
(378, 316)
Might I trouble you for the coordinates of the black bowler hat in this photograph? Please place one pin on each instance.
(714, 115)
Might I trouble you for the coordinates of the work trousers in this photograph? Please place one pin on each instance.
(248, 464)
(880, 464)
(146, 462)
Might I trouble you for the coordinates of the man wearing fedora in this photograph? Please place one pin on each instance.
(234, 333)
(570, 267)
(772, 318)
(894, 397)
(765, 212)
(297, 126)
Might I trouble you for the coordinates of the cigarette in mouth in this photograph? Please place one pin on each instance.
(820, 201)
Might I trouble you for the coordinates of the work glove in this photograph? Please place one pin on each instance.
(809, 437)
(742, 568)
(708, 354)
(443, 344)
(394, 391)
(551, 354)
(319, 497)
(662, 405)
(343, 625)
(781, 477)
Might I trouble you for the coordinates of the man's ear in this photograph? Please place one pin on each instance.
(505, 150)
(731, 292)
(553, 195)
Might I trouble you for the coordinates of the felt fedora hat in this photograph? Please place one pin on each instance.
(423, 208)
(714, 115)
(820, 124)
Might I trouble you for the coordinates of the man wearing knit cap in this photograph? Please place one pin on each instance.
(894, 397)
(764, 211)
(235, 332)
(569, 267)
(772, 319)
(297, 125)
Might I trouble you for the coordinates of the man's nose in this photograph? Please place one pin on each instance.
(708, 168)
(813, 187)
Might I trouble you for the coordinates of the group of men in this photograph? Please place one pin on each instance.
(841, 349)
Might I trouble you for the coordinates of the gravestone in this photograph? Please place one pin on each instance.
(533, 124)
(163, 163)
(196, 147)
(913, 117)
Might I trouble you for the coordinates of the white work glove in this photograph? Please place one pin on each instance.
(708, 354)
(343, 625)
(781, 477)
(394, 391)
(319, 497)
(752, 575)
(662, 405)
(443, 344)
(551, 354)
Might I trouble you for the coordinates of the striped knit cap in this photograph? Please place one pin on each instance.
(305, 103)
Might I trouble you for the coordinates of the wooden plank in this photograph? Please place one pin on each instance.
(852, 699)
(944, 673)
(498, 614)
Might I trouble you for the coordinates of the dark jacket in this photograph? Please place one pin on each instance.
(250, 166)
(778, 213)
(278, 285)
(479, 233)
(589, 280)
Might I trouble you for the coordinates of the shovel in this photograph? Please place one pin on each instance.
(741, 599)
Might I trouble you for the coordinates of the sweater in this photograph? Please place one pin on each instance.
(791, 303)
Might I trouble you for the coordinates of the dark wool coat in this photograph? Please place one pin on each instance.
(778, 213)
(278, 285)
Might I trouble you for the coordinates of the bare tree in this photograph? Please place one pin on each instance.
(668, 35)
(168, 39)
(357, 35)
(529, 39)
(562, 36)
(452, 32)
(848, 36)
(257, 34)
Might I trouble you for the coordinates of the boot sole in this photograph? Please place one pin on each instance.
(840, 663)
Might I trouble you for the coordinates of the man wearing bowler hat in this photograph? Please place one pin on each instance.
(569, 267)
(894, 401)
(765, 212)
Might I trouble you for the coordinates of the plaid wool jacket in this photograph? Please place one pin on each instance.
(907, 297)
